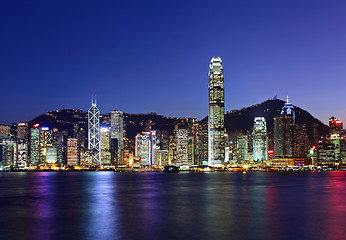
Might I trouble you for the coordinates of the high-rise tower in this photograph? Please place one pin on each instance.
(260, 142)
(94, 132)
(284, 131)
(117, 135)
(216, 146)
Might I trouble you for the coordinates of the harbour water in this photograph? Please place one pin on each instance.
(154, 205)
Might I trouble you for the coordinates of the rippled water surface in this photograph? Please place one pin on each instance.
(108, 205)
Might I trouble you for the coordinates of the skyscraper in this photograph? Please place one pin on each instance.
(35, 145)
(117, 135)
(216, 148)
(181, 147)
(5, 131)
(336, 126)
(105, 146)
(336, 135)
(94, 132)
(22, 131)
(45, 138)
(22, 153)
(290, 139)
(146, 148)
(260, 141)
(284, 131)
(143, 147)
(72, 151)
(243, 148)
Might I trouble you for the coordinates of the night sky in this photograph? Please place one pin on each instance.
(153, 56)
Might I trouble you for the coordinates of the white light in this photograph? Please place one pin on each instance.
(104, 129)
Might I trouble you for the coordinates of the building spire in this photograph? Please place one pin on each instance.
(93, 100)
(287, 99)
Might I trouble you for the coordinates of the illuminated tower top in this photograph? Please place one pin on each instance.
(287, 108)
(336, 126)
(215, 69)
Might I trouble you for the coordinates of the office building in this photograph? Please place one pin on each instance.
(284, 132)
(22, 154)
(94, 132)
(216, 151)
(146, 148)
(181, 147)
(105, 146)
(35, 145)
(260, 140)
(117, 136)
(22, 131)
(72, 151)
(242, 148)
(5, 131)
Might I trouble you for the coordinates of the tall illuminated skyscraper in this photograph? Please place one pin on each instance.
(260, 142)
(105, 146)
(146, 147)
(94, 132)
(45, 138)
(182, 147)
(72, 151)
(117, 135)
(216, 144)
(284, 131)
(35, 145)
(336, 136)
(143, 147)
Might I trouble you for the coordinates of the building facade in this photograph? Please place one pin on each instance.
(284, 132)
(216, 148)
(146, 148)
(260, 140)
(34, 146)
(94, 132)
(105, 146)
(182, 152)
(117, 136)
(72, 151)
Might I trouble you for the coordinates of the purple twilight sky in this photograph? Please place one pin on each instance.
(153, 56)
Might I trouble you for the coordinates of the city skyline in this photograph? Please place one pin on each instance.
(267, 48)
(173, 119)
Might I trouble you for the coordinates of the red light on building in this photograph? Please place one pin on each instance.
(36, 125)
(338, 122)
(270, 151)
(313, 147)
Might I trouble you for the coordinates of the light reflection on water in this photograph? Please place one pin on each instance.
(108, 205)
(100, 209)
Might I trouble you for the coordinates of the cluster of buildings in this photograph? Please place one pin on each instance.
(105, 143)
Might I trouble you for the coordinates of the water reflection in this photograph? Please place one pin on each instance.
(108, 205)
(335, 208)
(100, 206)
(41, 192)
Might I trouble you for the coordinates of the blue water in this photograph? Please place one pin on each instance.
(108, 205)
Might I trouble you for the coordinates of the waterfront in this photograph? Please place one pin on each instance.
(153, 205)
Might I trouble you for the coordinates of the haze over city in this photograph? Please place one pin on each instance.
(154, 56)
